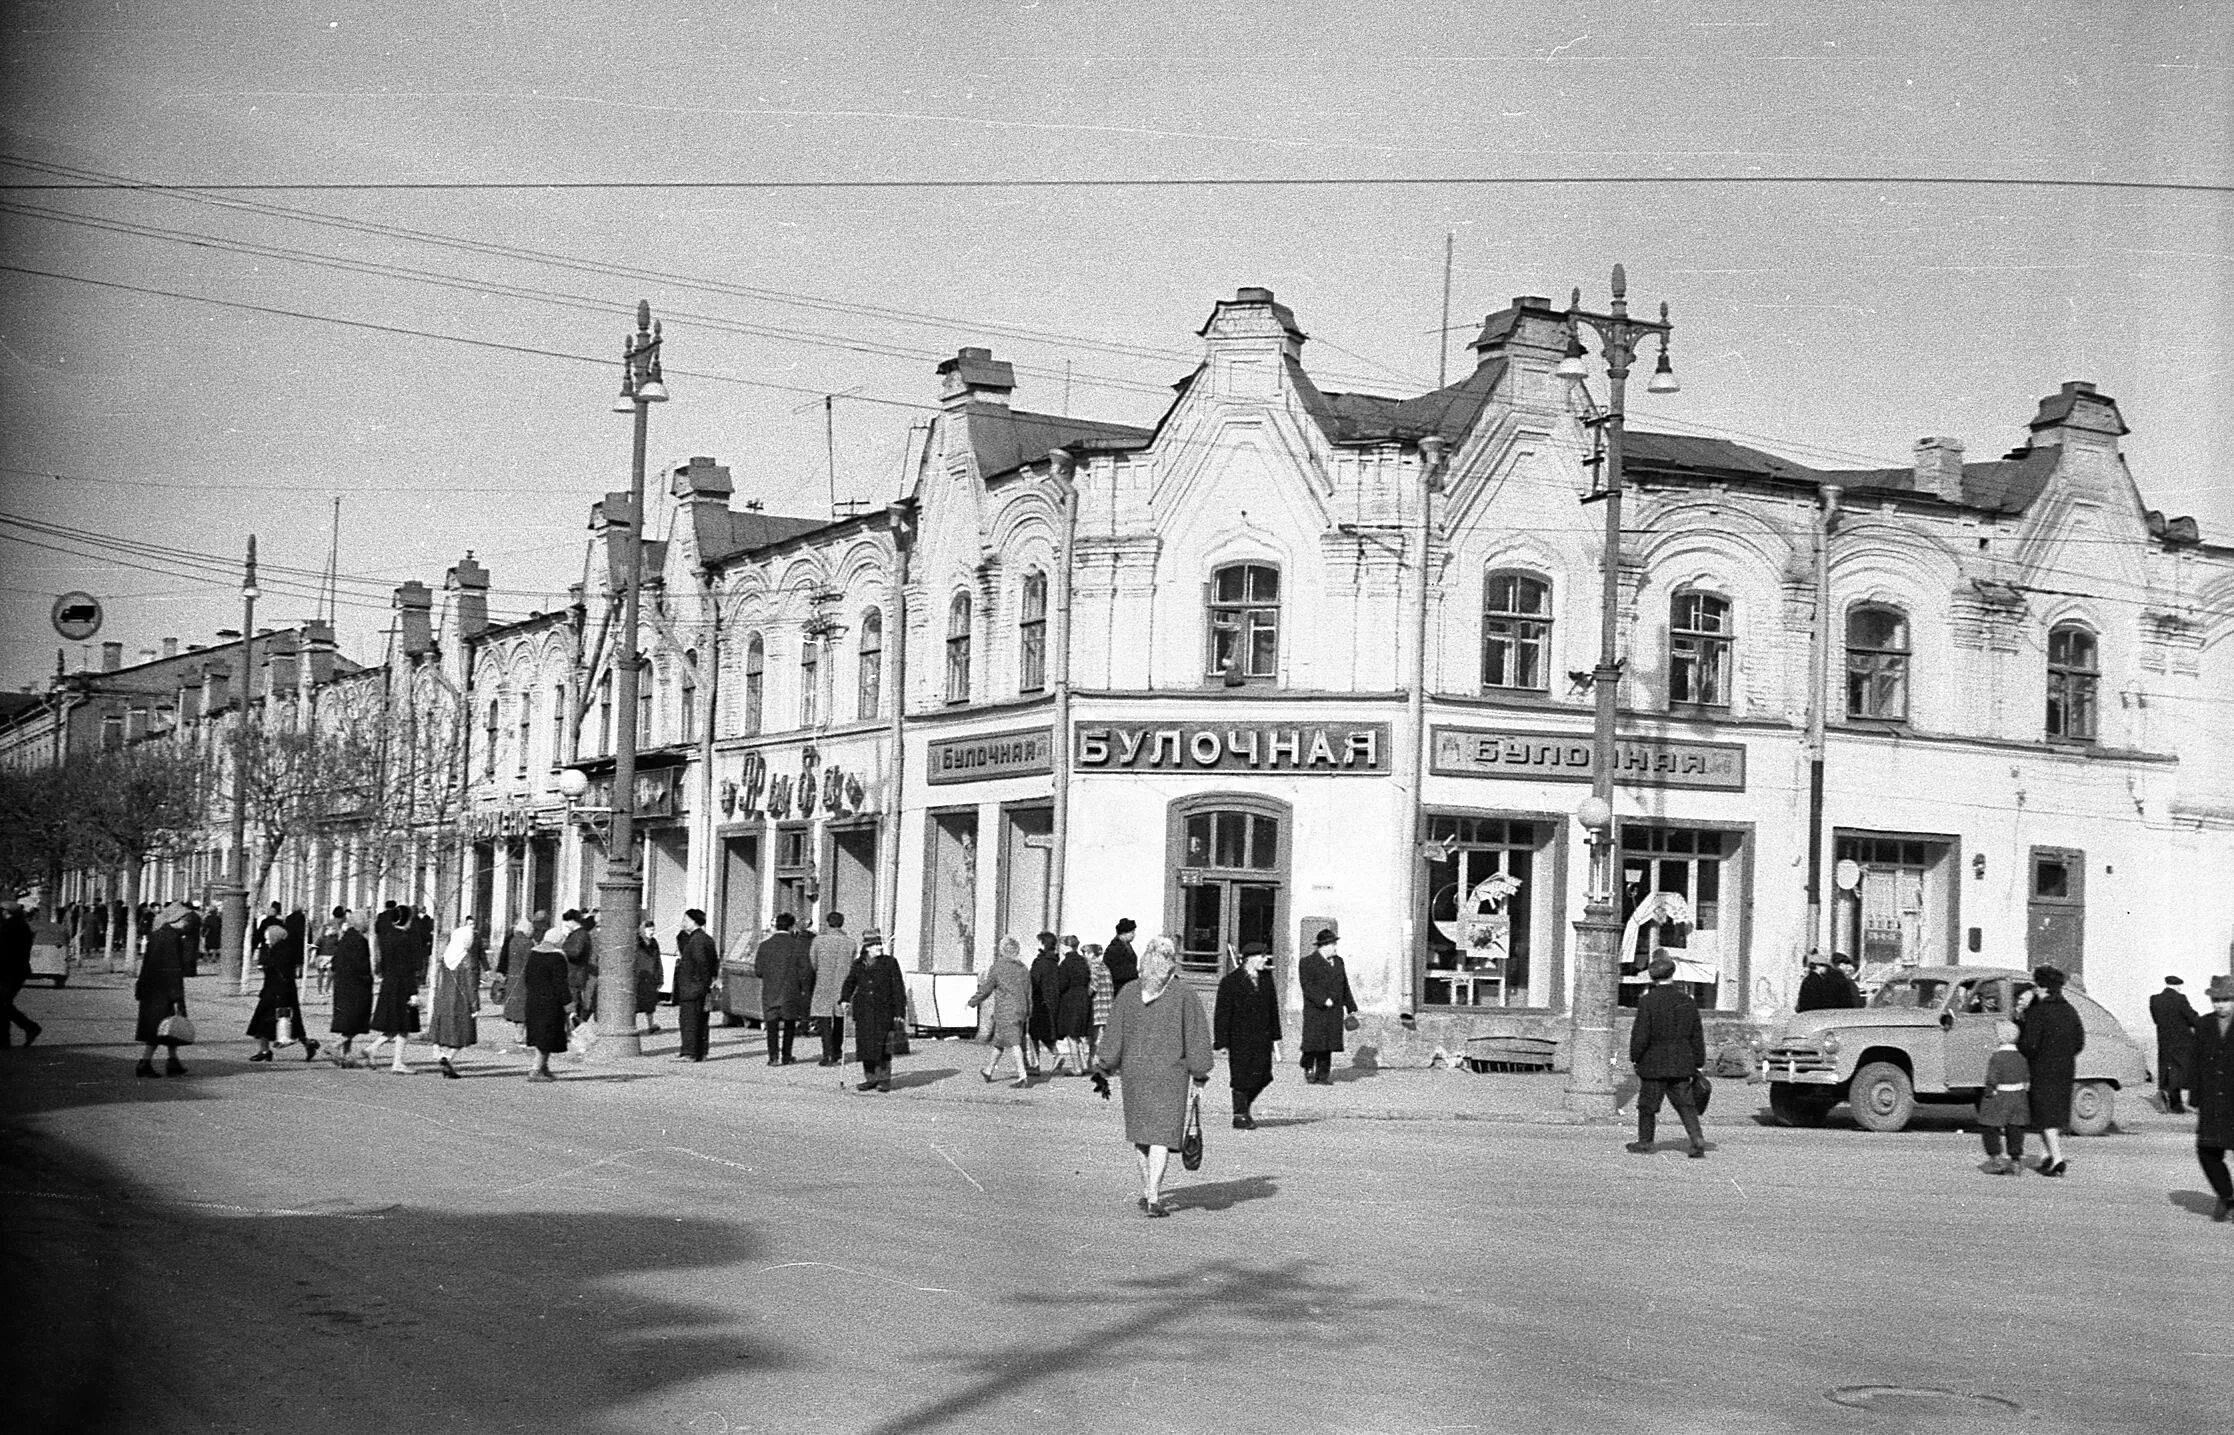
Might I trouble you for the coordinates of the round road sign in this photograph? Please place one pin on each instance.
(77, 616)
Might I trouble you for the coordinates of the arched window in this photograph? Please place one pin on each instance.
(1516, 631)
(559, 755)
(958, 649)
(756, 682)
(810, 680)
(1877, 655)
(1244, 626)
(605, 712)
(1031, 635)
(869, 692)
(523, 732)
(1699, 648)
(645, 675)
(688, 715)
(2074, 679)
(488, 741)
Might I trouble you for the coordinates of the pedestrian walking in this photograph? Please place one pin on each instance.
(395, 1015)
(2175, 1042)
(696, 966)
(161, 989)
(875, 995)
(547, 985)
(280, 999)
(454, 1000)
(2051, 1037)
(1101, 992)
(322, 952)
(352, 1013)
(16, 941)
(1008, 982)
(2004, 1108)
(581, 966)
(786, 986)
(1074, 1008)
(1047, 966)
(1668, 1046)
(1245, 1025)
(511, 973)
(1328, 1007)
(1118, 956)
(1158, 1044)
(2211, 1083)
(649, 969)
(832, 953)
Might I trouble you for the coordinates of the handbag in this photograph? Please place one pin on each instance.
(1350, 1022)
(283, 1025)
(1190, 1145)
(177, 1029)
(1702, 1091)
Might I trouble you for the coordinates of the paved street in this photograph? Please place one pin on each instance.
(726, 1248)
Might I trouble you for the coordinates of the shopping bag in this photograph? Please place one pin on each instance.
(283, 1026)
(1190, 1146)
(177, 1029)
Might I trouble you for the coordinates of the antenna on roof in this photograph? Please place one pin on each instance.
(1443, 330)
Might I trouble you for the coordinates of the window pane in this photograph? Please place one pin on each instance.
(1264, 645)
(1264, 842)
(1198, 840)
(1264, 585)
(1230, 585)
(1232, 840)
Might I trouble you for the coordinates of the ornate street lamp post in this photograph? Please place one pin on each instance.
(233, 900)
(1598, 934)
(620, 892)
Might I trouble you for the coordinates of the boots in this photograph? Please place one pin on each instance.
(145, 1068)
(172, 1066)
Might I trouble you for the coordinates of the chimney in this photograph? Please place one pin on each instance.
(415, 618)
(170, 647)
(702, 481)
(281, 671)
(974, 376)
(1939, 468)
(112, 657)
(470, 582)
(2077, 411)
(217, 689)
(318, 652)
(1529, 327)
(1248, 342)
(147, 655)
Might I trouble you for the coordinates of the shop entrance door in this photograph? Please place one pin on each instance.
(1220, 916)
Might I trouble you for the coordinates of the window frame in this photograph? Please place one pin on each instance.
(961, 619)
(1248, 618)
(1031, 634)
(810, 680)
(1701, 651)
(1511, 626)
(686, 695)
(1868, 666)
(868, 684)
(756, 684)
(2069, 684)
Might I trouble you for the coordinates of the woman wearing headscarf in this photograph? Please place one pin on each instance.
(161, 988)
(282, 958)
(396, 1014)
(1158, 1041)
(648, 973)
(352, 1016)
(875, 995)
(543, 984)
(455, 981)
(511, 963)
(2051, 1038)
(1009, 983)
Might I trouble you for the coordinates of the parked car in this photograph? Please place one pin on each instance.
(1925, 1037)
(50, 951)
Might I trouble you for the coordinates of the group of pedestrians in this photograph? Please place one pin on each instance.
(823, 981)
(2195, 1061)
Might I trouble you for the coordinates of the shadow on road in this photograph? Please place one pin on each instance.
(1146, 1321)
(1221, 1195)
(902, 1080)
(2202, 1203)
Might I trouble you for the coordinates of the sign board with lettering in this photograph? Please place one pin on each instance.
(1328, 748)
(1025, 753)
(659, 792)
(1563, 757)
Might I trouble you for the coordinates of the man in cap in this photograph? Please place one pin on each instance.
(1327, 1006)
(696, 964)
(1667, 1045)
(2212, 1086)
(1246, 1027)
(2175, 1041)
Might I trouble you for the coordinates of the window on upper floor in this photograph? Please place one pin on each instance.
(523, 733)
(868, 693)
(1516, 631)
(1244, 623)
(1877, 655)
(2074, 682)
(605, 712)
(756, 682)
(1031, 635)
(1699, 633)
(645, 683)
(559, 754)
(810, 680)
(958, 649)
(488, 741)
(687, 689)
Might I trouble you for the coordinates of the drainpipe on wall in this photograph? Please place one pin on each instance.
(1433, 462)
(702, 872)
(900, 523)
(1818, 703)
(1062, 469)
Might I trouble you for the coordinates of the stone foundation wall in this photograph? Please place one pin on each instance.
(1396, 1042)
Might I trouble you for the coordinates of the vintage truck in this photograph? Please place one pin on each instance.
(1925, 1037)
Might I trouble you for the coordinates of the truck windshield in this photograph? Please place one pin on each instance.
(1923, 995)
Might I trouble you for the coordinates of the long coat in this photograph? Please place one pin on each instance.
(2175, 1030)
(1668, 1042)
(696, 963)
(2212, 1084)
(649, 969)
(544, 981)
(281, 960)
(401, 967)
(832, 954)
(1123, 963)
(2051, 1037)
(1158, 1047)
(1047, 971)
(161, 987)
(512, 961)
(1074, 997)
(352, 977)
(1244, 1025)
(880, 998)
(452, 1005)
(786, 977)
(1009, 984)
(1326, 1000)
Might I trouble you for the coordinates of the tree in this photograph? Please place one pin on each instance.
(42, 828)
(136, 803)
(298, 781)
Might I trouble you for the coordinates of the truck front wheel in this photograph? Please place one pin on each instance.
(2093, 1105)
(1882, 1097)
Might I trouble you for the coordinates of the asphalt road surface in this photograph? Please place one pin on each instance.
(649, 1247)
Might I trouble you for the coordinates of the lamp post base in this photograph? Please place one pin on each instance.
(1590, 1090)
(232, 932)
(618, 903)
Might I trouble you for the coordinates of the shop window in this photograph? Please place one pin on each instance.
(1877, 656)
(958, 649)
(1482, 914)
(950, 892)
(1677, 884)
(1699, 649)
(1892, 902)
(2074, 678)
(1516, 631)
(756, 682)
(1244, 623)
(810, 681)
(870, 672)
(1031, 635)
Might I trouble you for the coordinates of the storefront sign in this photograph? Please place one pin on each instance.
(658, 792)
(1359, 748)
(1559, 757)
(1001, 754)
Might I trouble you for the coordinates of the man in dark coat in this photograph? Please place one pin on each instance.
(580, 951)
(1246, 1027)
(352, 984)
(1667, 1045)
(696, 965)
(2212, 1085)
(2175, 1037)
(1327, 1006)
(1119, 957)
(876, 996)
(786, 986)
(1826, 987)
(16, 940)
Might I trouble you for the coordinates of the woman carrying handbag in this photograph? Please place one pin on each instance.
(1159, 1042)
(161, 989)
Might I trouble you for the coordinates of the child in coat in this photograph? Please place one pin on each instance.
(2003, 1108)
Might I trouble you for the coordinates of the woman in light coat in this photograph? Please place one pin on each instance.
(1159, 1042)
(1009, 983)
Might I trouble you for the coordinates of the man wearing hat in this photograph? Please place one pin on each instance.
(2175, 1040)
(2211, 1083)
(1246, 1027)
(876, 996)
(696, 965)
(1824, 987)
(1327, 1006)
(1119, 957)
(1667, 1045)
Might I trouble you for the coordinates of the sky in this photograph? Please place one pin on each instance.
(1872, 221)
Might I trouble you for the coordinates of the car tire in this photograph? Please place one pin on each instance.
(1882, 1097)
(1795, 1105)
(2093, 1108)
